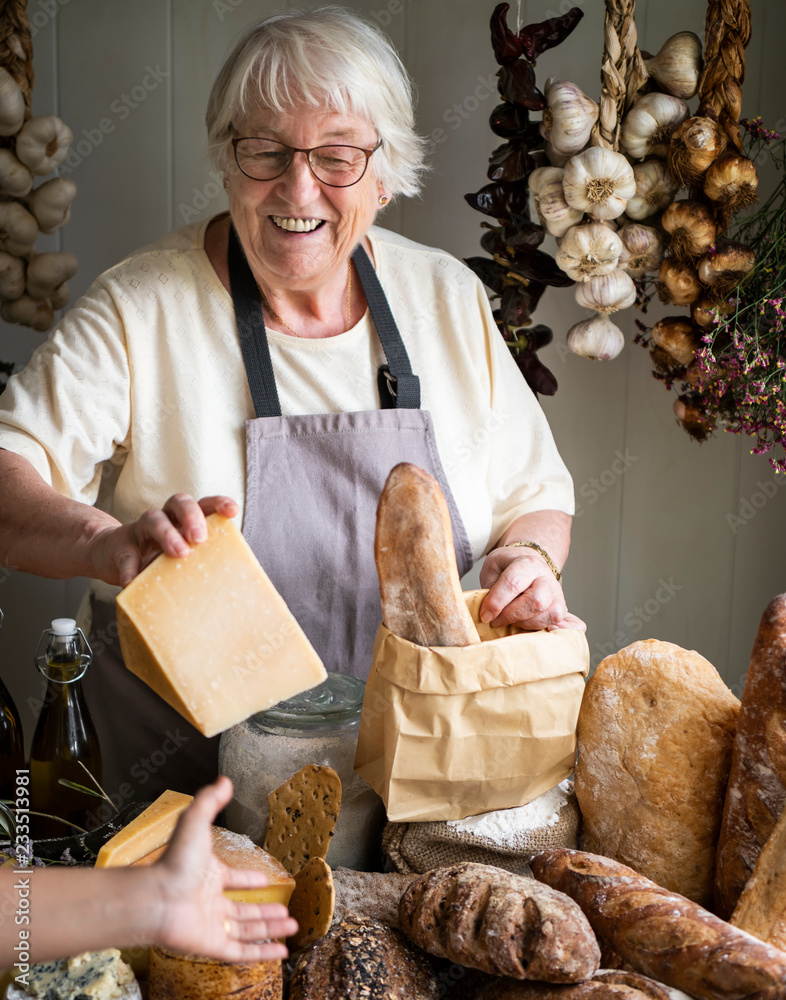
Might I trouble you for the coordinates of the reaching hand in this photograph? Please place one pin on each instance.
(119, 553)
(524, 591)
(197, 916)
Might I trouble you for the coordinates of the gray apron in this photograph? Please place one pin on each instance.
(312, 487)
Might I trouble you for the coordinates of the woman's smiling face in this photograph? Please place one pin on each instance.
(266, 212)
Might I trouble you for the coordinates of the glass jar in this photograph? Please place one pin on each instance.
(319, 726)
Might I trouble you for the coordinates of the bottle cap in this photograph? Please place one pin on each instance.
(64, 626)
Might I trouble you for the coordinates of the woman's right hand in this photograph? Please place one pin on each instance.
(120, 553)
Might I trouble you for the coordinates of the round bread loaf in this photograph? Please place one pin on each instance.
(174, 976)
(655, 736)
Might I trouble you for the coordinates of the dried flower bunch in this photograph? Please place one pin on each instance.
(32, 285)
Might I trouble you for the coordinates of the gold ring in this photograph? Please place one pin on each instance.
(227, 927)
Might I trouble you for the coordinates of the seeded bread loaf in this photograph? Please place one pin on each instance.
(419, 583)
(662, 934)
(498, 922)
(756, 792)
(655, 734)
(364, 959)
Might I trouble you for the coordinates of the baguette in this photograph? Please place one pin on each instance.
(756, 792)
(662, 934)
(761, 910)
(419, 584)
(645, 985)
(498, 922)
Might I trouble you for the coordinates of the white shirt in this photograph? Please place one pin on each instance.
(140, 391)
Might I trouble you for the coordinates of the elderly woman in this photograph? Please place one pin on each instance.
(276, 362)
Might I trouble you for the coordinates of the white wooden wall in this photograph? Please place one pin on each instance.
(654, 550)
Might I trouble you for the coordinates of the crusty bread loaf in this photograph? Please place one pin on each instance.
(589, 990)
(655, 735)
(364, 959)
(761, 910)
(368, 894)
(498, 922)
(756, 792)
(662, 934)
(174, 976)
(645, 985)
(416, 563)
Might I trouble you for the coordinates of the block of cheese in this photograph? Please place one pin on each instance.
(212, 636)
(151, 829)
(238, 851)
(94, 975)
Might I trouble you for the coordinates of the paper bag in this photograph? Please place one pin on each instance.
(453, 731)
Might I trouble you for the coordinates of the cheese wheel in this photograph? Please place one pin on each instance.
(174, 976)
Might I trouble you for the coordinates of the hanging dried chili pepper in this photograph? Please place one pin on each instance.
(535, 39)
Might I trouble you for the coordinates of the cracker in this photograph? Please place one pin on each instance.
(303, 815)
(311, 903)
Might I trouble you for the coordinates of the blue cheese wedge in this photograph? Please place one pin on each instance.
(94, 975)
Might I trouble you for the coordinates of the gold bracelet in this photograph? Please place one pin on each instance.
(541, 551)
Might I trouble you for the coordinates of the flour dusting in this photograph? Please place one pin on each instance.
(504, 826)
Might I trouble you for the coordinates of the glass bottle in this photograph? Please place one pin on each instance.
(319, 726)
(12, 747)
(65, 740)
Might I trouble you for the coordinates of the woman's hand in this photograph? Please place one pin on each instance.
(196, 916)
(523, 591)
(120, 552)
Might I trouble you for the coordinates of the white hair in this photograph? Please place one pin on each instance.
(326, 58)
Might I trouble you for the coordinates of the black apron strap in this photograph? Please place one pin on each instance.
(398, 387)
(251, 329)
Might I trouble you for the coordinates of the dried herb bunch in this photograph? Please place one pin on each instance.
(518, 272)
(734, 371)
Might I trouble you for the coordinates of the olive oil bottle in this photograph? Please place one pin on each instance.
(65, 740)
(12, 747)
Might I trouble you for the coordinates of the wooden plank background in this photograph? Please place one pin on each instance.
(657, 551)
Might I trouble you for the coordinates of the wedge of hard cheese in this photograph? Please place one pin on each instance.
(239, 851)
(212, 636)
(150, 830)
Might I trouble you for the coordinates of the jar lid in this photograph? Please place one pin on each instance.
(333, 703)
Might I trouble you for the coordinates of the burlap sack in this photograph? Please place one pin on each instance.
(420, 847)
(452, 731)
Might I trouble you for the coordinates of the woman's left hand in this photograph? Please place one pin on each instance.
(523, 590)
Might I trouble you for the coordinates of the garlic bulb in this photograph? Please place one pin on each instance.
(568, 119)
(599, 181)
(607, 293)
(678, 283)
(655, 189)
(43, 143)
(47, 271)
(677, 65)
(727, 266)
(588, 250)
(642, 249)
(695, 145)
(554, 212)
(18, 228)
(12, 277)
(693, 419)
(647, 127)
(706, 312)
(28, 312)
(676, 336)
(597, 339)
(691, 227)
(50, 203)
(15, 178)
(12, 104)
(732, 181)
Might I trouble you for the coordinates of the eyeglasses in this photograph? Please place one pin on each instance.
(267, 159)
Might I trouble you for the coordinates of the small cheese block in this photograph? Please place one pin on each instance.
(151, 829)
(238, 851)
(212, 636)
(98, 975)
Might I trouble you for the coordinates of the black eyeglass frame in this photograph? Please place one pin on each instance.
(294, 149)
